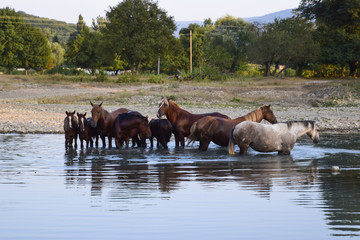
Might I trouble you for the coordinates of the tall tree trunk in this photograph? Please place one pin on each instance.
(353, 65)
(276, 69)
(267, 69)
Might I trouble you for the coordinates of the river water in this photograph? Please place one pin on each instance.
(48, 192)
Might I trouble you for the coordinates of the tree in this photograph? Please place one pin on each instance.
(338, 25)
(36, 48)
(21, 45)
(11, 41)
(138, 30)
(289, 42)
(227, 42)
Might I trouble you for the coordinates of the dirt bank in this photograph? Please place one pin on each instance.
(31, 106)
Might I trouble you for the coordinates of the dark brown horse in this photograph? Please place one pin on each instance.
(161, 129)
(130, 125)
(70, 129)
(218, 130)
(86, 132)
(103, 121)
(181, 120)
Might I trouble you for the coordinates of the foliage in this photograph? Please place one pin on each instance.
(21, 45)
(128, 78)
(139, 31)
(227, 42)
(338, 25)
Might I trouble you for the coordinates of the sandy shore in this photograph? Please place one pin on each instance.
(22, 112)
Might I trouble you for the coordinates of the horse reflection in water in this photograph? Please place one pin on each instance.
(279, 137)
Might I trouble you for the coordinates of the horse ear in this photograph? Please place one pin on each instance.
(73, 112)
(66, 112)
(91, 103)
(100, 104)
(85, 114)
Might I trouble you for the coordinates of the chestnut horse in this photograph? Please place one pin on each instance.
(103, 121)
(86, 132)
(180, 119)
(279, 137)
(218, 130)
(130, 125)
(70, 129)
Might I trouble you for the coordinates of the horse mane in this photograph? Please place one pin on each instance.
(304, 122)
(254, 115)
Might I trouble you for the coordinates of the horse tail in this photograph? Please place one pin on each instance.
(231, 144)
(192, 136)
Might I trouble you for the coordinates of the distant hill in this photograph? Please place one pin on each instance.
(271, 17)
(262, 19)
(50, 27)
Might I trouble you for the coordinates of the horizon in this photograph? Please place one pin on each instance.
(181, 12)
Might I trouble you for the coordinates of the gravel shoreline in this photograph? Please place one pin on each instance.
(20, 112)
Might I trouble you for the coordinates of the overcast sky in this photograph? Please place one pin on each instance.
(181, 10)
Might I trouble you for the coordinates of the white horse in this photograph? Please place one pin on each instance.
(279, 137)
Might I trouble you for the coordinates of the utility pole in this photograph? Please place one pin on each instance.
(158, 69)
(190, 51)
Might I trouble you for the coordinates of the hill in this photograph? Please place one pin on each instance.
(50, 27)
(261, 19)
(271, 17)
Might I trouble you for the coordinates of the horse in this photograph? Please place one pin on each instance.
(70, 129)
(161, 129)
(180, 119)
(279, 137)
(103, 121)
(130, 125)
(217, 130)
(86, 132)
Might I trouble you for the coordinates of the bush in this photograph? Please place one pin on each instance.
(157, 79)
(129, 78)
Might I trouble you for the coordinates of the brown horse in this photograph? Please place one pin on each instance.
(130, 125)
(181, 120)
(86, 132)
(70, 129)
(103, 121)
(279, 137)
(217, 130)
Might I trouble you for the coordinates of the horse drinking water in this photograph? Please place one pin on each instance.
(180, 119)
(279, 137)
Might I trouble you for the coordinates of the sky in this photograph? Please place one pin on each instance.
(182, 10)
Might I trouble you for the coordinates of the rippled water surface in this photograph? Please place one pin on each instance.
(48, 192)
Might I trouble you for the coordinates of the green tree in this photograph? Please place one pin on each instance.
(338, 25)
(139, 31)
(11, 41)
(289, 42)
(36, 50)
(227, 42)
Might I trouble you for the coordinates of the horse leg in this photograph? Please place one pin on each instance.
(243, 148)
(176, 140)
(151, 142)
(204, 144)
(163, 141)
(75, 140)
(110, 141)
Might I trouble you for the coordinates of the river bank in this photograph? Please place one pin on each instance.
(28, 106)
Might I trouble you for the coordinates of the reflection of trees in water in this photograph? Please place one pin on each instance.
(342, 199)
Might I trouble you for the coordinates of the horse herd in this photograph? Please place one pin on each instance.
(245, 131)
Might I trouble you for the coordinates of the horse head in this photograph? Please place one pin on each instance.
(82, 120)
(313, 133)
(71, 119)
(268, 114)
(163, 106)
(96, 113)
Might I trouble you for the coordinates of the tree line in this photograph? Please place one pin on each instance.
(135, 34)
